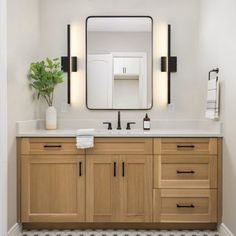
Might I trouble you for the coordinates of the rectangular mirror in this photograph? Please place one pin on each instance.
(119, 62)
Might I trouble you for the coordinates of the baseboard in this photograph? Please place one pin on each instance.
(224, 230)
(15, 230)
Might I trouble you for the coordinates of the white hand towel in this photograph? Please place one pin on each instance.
(213, 97)
(85, 138)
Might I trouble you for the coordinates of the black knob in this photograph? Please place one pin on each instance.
(109, 125)
(128, 125)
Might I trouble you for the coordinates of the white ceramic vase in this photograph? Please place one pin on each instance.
(51, 118)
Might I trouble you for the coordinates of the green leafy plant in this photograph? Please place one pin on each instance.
(44, 76)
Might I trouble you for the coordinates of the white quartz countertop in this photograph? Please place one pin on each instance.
(123, 133)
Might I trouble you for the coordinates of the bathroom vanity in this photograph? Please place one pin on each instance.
(147, 181)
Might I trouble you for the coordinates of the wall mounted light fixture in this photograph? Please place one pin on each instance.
(169, 65)
(69, 64)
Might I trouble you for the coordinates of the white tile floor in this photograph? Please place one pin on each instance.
(119, 233)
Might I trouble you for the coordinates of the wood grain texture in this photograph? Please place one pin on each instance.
(202, 171)
(49, 146)
(185, 146)
(136, 194)
(204, 202)
(102, 188)
(139, 146)
(52, 189)
(219, 179)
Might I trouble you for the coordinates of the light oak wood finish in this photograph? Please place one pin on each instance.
(49, 146)
(185, 171)
(219, 180)
(138, 146)
(52, 188)
(185, 146)
(185, 205)
(102, 188)
(136, 194)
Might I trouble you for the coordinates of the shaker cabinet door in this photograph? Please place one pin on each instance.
(53, 188)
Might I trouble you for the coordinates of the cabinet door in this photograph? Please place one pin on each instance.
(53, 188)
(132, 66)
(102, 188)
(136, 183)
(119, 67)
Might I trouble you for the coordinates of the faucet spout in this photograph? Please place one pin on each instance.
(118, 122)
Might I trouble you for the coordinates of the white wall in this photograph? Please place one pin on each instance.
(23, 46)
(217, 47)
(182, 14)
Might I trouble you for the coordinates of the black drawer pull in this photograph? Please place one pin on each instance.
(185, 146)
(52, 146)
(185, 172)
(114, 169)
(80, 168)
(123, 169)
(185, 206)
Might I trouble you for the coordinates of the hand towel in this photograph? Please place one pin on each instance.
(85, 138)
(213, 98)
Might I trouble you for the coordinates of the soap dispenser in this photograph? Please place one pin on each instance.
(146, 123)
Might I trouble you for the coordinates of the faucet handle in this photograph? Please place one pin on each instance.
(109, 125)
(128, 125)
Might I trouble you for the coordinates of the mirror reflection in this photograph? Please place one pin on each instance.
(119, 63)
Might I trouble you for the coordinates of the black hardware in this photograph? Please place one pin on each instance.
(123, 169)
(213, 71)
(69, 64)
(86, 52)
(128, 125)
(114, 169)
(185, 146)
(109, 125)
(52, 146)
(185, 206)
(80, 169)
(169, 64)
(118, 122)
(185, 172)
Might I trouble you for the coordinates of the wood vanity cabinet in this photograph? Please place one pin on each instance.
(52, 180)
(119, 185)
(136, 180)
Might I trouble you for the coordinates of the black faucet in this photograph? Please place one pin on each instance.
(118, 122)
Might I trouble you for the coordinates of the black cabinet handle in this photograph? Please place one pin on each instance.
(114, 169)
(185, 146)
(80, 168)
(52, 146)
(185, 172)
(123, 169)
(185, 206)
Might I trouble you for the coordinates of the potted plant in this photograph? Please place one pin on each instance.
(44, 76)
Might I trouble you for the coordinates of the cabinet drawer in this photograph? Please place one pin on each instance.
(185, 146)
(49, 146)
(121, 146)
(185, 171)
(183, 205)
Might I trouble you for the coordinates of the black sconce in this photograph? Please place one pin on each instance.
(169, 64)
(69, 64)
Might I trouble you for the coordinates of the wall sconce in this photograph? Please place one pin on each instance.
(69, 64)
(169, 65)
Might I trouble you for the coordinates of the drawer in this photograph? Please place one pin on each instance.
(185, 205)
(185, 171)
(185, 146)
(49, 146)
(121, 146)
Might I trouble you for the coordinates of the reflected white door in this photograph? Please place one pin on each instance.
(99, 81)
